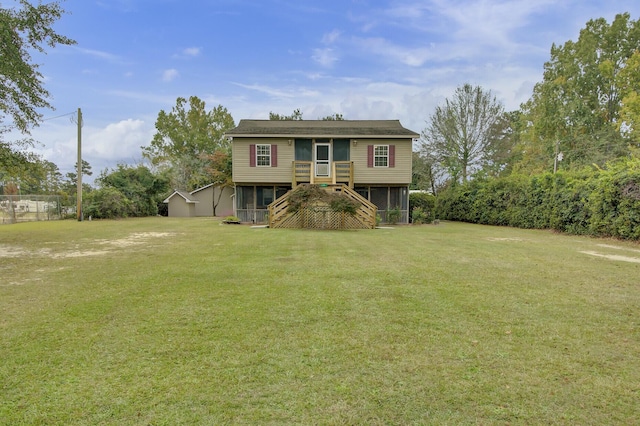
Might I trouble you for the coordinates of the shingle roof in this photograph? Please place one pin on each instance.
(322, 128)
(187, 197)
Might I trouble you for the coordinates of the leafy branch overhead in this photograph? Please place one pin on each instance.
(22, 30)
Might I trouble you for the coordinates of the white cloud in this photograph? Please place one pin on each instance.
(192, 51)
(324, 57)
(148, 97)
(189, 52)
(121, 141)
(103, 147)
(110, 57)
(332, 37)
(411, 56)
(170, 75)
(285, 92)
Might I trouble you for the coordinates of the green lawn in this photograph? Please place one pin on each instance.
(186, 321)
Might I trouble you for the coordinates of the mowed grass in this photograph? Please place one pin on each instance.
(186, 321)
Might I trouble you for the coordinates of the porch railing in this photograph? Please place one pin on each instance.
(341, 172)
(278, 209)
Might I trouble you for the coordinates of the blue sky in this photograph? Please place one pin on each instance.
(365, 59)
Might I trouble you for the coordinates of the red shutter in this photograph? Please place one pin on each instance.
(252, 155)
(392, 155)
(369, 155)
(274, 155)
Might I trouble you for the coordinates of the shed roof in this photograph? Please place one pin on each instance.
(202, 188)
(322, 128)
(187, 197)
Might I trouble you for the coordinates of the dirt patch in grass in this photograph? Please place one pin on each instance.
(84, 253)
(505, 239)
(618, 247)
(613, 256)
(8, 251)
(135, 239)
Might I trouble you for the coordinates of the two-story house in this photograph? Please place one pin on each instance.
(372, 157)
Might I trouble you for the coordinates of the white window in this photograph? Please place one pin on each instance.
(381, 156)
(263, 155)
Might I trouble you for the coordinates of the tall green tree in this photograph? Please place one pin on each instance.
(426, 173)
(576, 108)
(462, 134)
(70, 184)
(45, 179)
(16, 165)
(127, 190)
(22, 30)
(185, 136)
(629, 82)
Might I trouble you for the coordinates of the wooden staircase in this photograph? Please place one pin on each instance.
(364, 218)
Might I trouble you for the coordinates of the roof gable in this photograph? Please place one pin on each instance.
(322, 128)
(187, 197)
(195, 191)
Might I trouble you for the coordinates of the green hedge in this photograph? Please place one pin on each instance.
(591, 202)
(423, 203)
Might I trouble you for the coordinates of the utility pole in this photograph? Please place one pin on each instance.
(79, 187)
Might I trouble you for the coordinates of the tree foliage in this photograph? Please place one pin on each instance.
(22, 30)
(220, 171)
(31, 172)
(426, 172)
(462, 133)
(309, 196)
(107, 203)
(629, 81)
(138, 188)
(588, 201)
(333, 117)
(296, 115)
(576, 109)
(422, 207)
(16, 165)
(185, 137)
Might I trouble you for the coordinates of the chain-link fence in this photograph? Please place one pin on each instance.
(29, 208)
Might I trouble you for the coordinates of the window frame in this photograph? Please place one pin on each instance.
(262, 155)
(377, 156)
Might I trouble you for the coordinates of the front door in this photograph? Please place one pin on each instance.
(323, 160)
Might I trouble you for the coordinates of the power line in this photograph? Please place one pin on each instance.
(59, 116)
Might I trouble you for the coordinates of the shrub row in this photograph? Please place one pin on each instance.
(422, 207)
(589, 202)
(111, 203)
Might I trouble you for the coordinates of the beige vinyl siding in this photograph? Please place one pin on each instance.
(244, 173)
(205, 205)
(205, 198)
(178, 207)
(400, 174)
